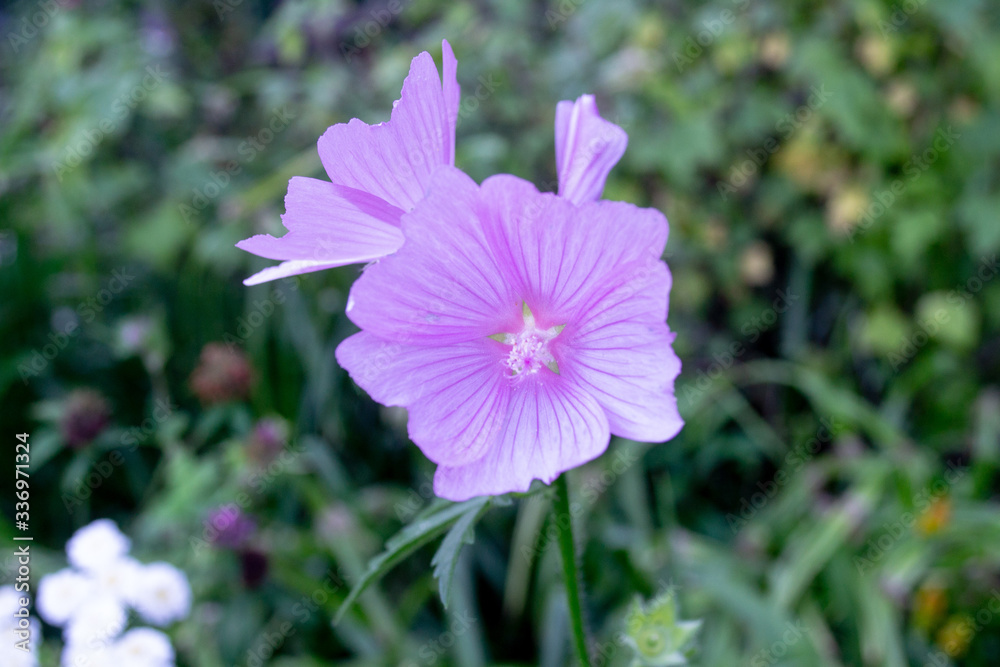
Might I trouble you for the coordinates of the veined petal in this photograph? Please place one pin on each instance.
(377, 172)
(456, 396)
(395, 160)
(630, 368)
(447, 288)
(550, 427)
(595, 268)
(452, 94)
(565, 258)
(330, 225)
(587, 149)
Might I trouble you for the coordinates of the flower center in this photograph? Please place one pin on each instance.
(529, 349)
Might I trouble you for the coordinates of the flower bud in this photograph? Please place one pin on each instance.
(85, 415)
(230, 527)
(223, 374)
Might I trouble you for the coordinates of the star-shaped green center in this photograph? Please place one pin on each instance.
(529, 348)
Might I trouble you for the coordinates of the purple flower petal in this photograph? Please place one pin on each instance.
(630, 370)
(452, 92)
(456, 400)
(377, 172)
(565, 257)
(288, 269)
(395, 160)
(550, 427)
(329, 225)
(587, 149)
(470, 297)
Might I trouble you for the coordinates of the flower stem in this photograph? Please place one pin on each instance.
(574, 583)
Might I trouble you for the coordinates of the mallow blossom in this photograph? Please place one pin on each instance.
(377, 173)
(519, 329)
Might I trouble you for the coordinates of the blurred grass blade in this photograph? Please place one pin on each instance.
(812, 547)
(528, 526)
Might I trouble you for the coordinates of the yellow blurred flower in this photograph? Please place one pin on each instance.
(732, 53)
(963, 109)
(929, 605)
(935, 516)
(757, 264)
(844, 208)
(774, 49)
(901, 97)
(715, 234)
(800, 161)
(875, 53)
(651, 32)
(956, 635)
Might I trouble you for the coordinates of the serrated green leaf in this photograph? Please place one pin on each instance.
(462, 533)
(404, 543)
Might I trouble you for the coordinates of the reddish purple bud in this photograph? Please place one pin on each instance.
(223, 374)
(85, 415)
(230, 528)
(267, 441)
(253, 565)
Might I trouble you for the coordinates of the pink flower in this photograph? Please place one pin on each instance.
(520, 330)
(377, 173)
(587, 149)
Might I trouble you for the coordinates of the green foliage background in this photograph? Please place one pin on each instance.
(831, 172)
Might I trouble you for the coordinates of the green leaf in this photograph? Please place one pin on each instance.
(404, 543)
(44, 446)
(462, 533)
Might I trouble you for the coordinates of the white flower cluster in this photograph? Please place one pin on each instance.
(10, 654)
(91, 600)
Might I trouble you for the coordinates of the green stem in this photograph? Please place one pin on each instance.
(574, 583)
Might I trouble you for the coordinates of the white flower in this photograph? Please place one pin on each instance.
(92, 602)
(100, 654)
(144, 647)
(97, 622)
(119, 579)
(96, 545)
(61, 594)
(10, 654)
(10, 602)
(163, 594)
